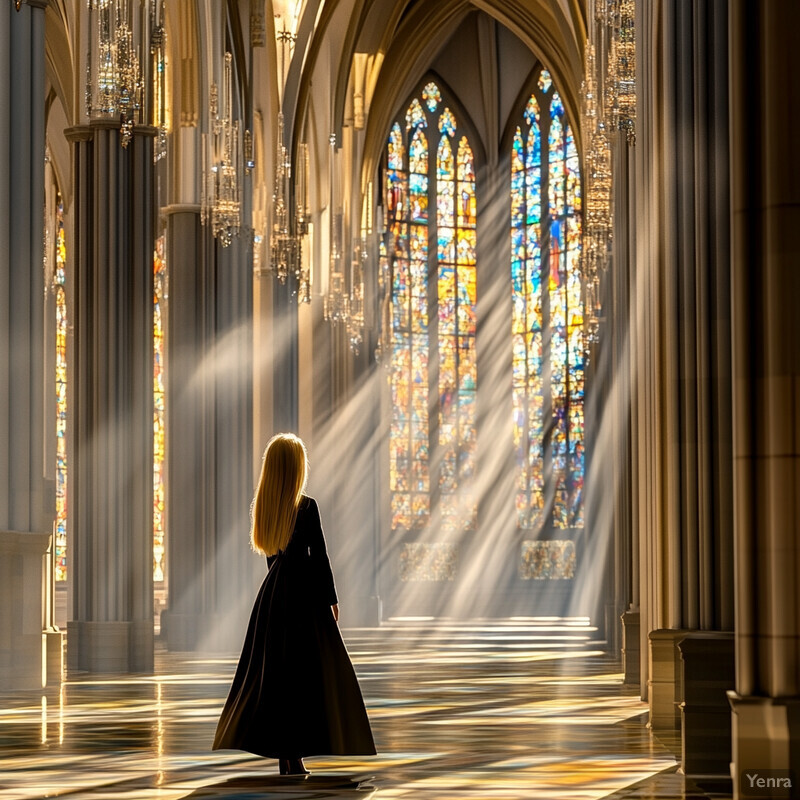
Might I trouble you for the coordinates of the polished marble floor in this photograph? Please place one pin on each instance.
(502, 710)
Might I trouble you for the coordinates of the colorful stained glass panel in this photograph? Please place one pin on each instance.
(159, 412)
(440, 197)
(61, 395)
(545, 273)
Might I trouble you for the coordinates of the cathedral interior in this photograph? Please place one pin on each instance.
(522, 275)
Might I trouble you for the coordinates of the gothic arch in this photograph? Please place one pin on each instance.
(414, 45)
(465, 119)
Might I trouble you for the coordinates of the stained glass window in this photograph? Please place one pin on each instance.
(159, 273)
(61, 395)
(430, 197)
(159, 276)
(547, 317)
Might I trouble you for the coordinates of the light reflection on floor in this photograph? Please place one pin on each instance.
(516, 709)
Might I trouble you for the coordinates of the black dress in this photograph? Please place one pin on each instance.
(295, 692)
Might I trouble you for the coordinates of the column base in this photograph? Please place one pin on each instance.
(766, 740)
(118, 647)
(54, 649)
(664, 686)
(709, 671)
(631, 650)
(23, 655)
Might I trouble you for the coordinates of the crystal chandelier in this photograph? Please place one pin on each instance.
(334, 304)
(383, 347)
(114, 85)
(356, 321)
(285, 243)
(622, 69)
(597, 225)
(302, 271)
(221, 192)
(597, 221)
(158, 51)
(608, 104)
(355, 318)
(284, 246)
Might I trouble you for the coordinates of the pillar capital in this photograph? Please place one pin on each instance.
(86, 131)
(180, 208)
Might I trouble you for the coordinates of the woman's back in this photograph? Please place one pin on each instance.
(307, 555)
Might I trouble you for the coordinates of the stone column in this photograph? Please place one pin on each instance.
(189, 451)
(212, 573)
(111, 394)
(27, 500)
(238, 571)
(681, 336)
(765, 115)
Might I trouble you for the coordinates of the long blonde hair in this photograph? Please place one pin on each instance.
(284, 474)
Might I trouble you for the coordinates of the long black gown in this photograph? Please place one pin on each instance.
(295, 692)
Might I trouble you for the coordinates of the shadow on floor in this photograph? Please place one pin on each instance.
(289, 787)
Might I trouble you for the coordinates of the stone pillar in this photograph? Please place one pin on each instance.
(189, 441)
(765, 98)
(238, 571)
(212, 573)
(27, 500)
(111, 394)
(680, 332)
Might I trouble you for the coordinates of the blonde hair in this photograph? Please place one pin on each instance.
(284, 474)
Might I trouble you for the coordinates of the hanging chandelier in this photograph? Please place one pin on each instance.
(285, 242)
(355, 319)
(301, 223)
(335, 305)
(284, 246)
(221, 192)
(597, 221)
(608, 105)
(158, 54)
(622, 69)
(114, 83)
(384, 344)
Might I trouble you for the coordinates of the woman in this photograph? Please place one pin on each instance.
(294, 693)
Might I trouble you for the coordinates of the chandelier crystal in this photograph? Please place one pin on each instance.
(221, 193)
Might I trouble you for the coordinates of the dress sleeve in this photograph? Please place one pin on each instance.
(319, 556)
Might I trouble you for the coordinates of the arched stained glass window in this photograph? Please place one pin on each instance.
(159, 273)
(61, 395)
(431, 240)
(547, 318)
(159, 452)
